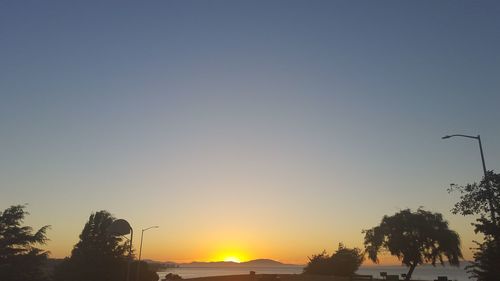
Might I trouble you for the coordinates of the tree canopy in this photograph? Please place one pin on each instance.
(20, 259)
(483, 199)
(415, 238)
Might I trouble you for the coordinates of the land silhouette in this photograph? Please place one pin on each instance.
(250, 263)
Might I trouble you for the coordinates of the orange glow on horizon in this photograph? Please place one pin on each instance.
(232, 259)
(230, 256)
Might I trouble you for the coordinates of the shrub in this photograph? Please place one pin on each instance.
(344, 262)
(172, 277)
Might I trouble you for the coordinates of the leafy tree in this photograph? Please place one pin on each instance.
(344, 262)
(97, 256)
(483, 199)
(20, 259)
(415, 238)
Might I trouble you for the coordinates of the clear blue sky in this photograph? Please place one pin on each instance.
(247, 121)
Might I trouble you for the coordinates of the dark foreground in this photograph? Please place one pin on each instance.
(280, 277)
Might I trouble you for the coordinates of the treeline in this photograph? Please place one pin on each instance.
(422, 237)
(97, 256)
(414, 238)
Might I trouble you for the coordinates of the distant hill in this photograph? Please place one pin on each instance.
(252, 263)
(263, 262)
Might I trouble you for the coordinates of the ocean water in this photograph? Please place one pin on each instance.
(193, 272)
(425, 272)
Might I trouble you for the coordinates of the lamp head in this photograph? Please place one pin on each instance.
(151, 227)
(119, 227)
(446, 137)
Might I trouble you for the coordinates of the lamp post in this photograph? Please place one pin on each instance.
(490, 192)
(121, 227)
(140, 251)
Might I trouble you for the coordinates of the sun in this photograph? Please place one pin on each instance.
(230, 255)
(232, 259)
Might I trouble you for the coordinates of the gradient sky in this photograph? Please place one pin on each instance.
(256, 129)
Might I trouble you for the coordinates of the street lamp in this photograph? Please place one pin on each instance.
(121, 227)
(140, 251)
(490, 199)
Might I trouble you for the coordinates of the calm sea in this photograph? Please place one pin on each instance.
(421, 273)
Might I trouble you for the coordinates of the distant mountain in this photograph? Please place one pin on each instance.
(262, 262)
(252, 263)
(161, 265)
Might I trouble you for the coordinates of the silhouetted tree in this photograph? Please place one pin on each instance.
(20, 259)
(98, 256)
(344, 262)
(415, 238)
(483, 199)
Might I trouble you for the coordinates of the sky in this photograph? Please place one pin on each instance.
(252, 129)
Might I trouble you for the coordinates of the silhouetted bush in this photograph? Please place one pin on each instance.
(172, 277)
(344, 262)
(319, 264)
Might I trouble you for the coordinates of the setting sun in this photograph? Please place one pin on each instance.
(230, 255)
(232, 259)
